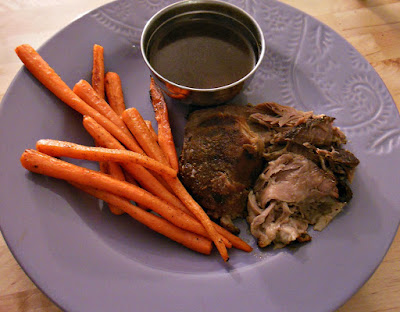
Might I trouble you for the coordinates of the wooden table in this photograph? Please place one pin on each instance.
(372, 27)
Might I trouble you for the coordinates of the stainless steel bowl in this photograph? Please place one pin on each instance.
(209, 9)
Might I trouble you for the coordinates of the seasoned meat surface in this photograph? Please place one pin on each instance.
(289, 167)
(220, 160)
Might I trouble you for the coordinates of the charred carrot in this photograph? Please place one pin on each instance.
(114, 92)
(49, 78)
(67, 149)
(98, 70)
(188, 239)
(165, 138)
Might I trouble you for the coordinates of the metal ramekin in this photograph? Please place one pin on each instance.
(218, 10)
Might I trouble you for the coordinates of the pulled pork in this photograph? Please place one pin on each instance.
(306, 180)
(287, 166)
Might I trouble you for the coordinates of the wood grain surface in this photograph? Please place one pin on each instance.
(372, 27)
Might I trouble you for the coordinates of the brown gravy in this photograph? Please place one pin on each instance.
(201, 54)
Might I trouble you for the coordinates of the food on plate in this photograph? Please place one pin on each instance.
(86, 92)
(148, 181)
(98, 70)
(67, 149)
(134, 166)
(151, 129)
(307, 177)
(49, 78)
(140, 130)
(165, 139)
(114, 92)
(302, 168)
(221, 159)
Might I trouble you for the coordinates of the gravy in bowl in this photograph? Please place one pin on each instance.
(201, 53)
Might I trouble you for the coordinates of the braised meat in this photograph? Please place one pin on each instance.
(290, 194)
(306, 180)
(220, 161)
(306, 172)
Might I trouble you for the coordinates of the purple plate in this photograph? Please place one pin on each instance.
(86, 259)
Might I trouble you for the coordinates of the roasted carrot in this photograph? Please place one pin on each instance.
(67, 149)
(38, 162)
(96, 130)
(140, 174)
(169, 214)
(104, 168)
(165, 139)
(151, 129)
(116, 172)
(236, 241)
(114, 92)
(98, 70)
(85, 91)
(103, 165)
(188, 239)
(200, 215)
(49, 78)
(141, 132)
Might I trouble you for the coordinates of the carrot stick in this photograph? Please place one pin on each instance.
(236, 241)
(188, 239)
(116, 172)
(165, 139)
(47, 165)
(140, 174)
(67, 149)
(114, 92)
(105, 139)
(151, 129)
(98, 70)
(49, 78)
(129, 178)
(85, 91)
(200, 215)
(103, 166)
(141, 132)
